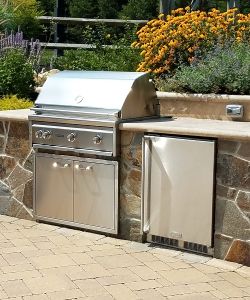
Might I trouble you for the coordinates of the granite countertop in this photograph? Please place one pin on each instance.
(192, 127)
(20, 115)
(180, 126)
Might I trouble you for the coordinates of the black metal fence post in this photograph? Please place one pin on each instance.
(59, 36)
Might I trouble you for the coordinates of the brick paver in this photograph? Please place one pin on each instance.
(40, 261)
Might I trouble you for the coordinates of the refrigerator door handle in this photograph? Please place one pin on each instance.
(146, 166)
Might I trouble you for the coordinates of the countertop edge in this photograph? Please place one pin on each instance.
(240, 132)
(18, 115)
(213, 98)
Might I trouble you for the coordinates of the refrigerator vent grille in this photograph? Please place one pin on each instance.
(164, 241)
(195, 247)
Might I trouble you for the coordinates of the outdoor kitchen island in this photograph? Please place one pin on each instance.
(232, 227)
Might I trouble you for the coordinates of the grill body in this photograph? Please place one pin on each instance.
(75, 136)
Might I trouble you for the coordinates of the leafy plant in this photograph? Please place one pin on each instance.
(224, 70)
(118, 56)
(16, 74)
(100, 59)
(166, 43)
(139, 9)
(20, 14)
(47, 6)
(13, 102)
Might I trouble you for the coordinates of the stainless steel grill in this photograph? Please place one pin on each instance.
(74, 127)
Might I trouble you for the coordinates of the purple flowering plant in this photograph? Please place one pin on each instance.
(31, 49)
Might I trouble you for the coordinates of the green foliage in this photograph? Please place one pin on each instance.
(25, 17)
(6, 14)
(224, 71)
(82, 8)
(94, 8)
(13, 102)
(108, 9)
(119, 56)
(20, 14)
(140, 9)
(47, 6)
(16, 74)
(125, 59)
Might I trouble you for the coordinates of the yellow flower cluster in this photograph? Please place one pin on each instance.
(166, 42)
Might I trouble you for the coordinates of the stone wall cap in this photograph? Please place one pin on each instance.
(192, 127)
(204, 97)
(20, 115)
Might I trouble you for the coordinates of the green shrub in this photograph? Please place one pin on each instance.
(125, 59)
(16, 74)
(140, 9)
(224, 70)
(20, 14)
(118, 56)
(13, 102)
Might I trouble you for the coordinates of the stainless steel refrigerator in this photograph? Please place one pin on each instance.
(178, 188)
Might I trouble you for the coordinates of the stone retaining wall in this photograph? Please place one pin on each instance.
(15, 170)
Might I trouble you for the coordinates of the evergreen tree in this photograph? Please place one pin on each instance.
(108, 9)
(48, 6)
(140, 9)
(83, 8)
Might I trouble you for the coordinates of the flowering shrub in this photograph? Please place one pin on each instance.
(165, 43)
(223, 70)
(32, 49)
(13, 102)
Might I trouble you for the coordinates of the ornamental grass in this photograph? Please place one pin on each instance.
(177, 39)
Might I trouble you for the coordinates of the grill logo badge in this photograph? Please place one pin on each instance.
(79, 99)
(176, 235)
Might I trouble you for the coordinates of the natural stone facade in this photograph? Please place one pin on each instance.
(15, 170)
(232, 213)
(130, 185)
(232, 203)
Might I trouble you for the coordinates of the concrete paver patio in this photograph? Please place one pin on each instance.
(40, 261)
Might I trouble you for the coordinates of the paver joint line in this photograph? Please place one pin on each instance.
(40, 261)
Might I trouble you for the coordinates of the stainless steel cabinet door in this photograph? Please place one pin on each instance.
(95, 201)
(54, 187)
(178, 188)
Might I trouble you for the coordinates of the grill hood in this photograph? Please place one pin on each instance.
(122, 95)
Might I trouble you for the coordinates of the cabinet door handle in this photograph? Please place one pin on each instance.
(146, 166)
(79, 167)
(60, 165)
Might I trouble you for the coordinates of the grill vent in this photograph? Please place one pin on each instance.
(164, 241)
(195, 247)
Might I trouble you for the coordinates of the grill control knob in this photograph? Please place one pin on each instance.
(97, 139)
(71, 137)
(46, 135)
(39, 134)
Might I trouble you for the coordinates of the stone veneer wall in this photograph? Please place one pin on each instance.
(232, 217)
(15, 170)
(232, 203)
(130, 186)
